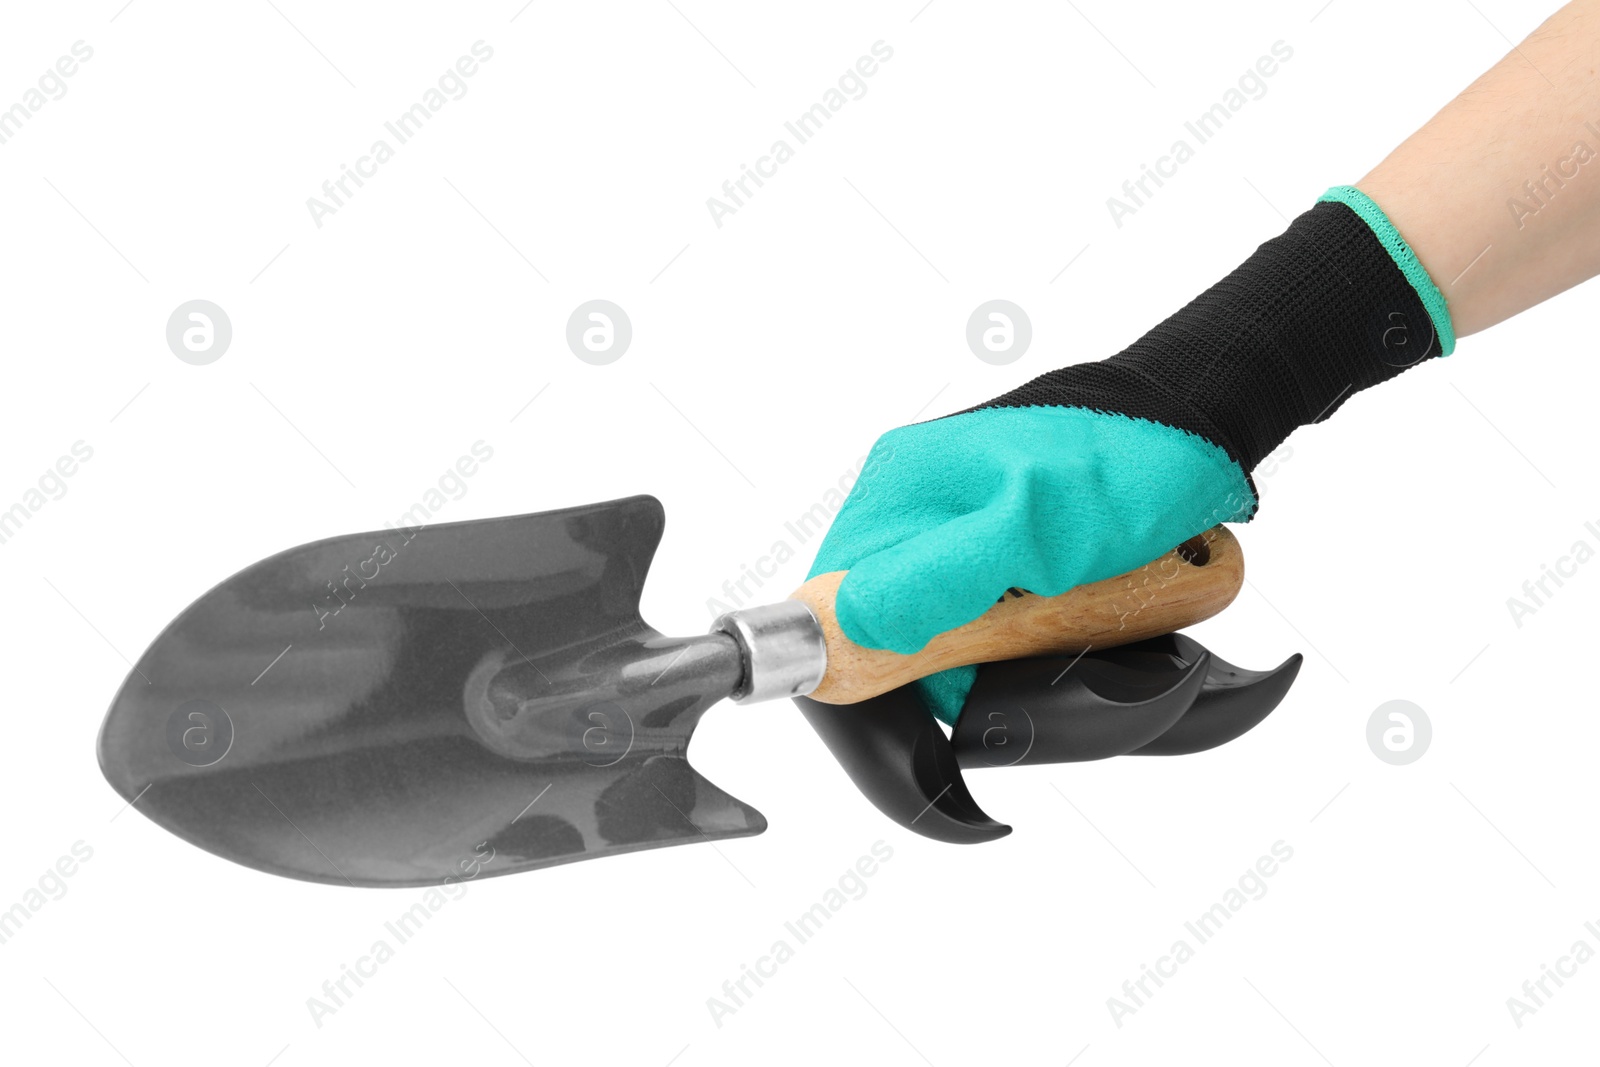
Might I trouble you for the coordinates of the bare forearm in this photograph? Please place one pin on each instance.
(1499, 194)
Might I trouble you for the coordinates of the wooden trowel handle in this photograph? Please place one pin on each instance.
(1192, 582)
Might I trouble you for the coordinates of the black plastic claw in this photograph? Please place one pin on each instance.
(895, 753)
(1163, 697)
(1061, 710)
(1232, 701)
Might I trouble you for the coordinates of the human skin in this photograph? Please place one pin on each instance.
(1450, 187)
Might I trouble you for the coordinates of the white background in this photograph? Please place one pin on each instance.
(767, 355)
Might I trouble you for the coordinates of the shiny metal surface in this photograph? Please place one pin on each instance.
(408, 707)
(781, 647)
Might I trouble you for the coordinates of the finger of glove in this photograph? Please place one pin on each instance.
(912, 481)
(944, 694)
(901, 597)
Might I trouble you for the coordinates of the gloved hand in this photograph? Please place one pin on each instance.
(1095, 469)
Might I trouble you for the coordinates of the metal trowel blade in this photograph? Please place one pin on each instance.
(406, 707)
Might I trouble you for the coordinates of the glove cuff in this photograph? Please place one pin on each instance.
(1335, 304)
(1404, 258)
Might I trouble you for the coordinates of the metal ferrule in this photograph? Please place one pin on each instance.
(781, 647)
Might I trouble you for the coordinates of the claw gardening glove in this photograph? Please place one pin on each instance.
(1094, 469)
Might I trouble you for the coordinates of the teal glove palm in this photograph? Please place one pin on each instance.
(1095, 469)
(947, 515)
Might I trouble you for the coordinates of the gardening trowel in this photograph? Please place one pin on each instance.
(414, 705)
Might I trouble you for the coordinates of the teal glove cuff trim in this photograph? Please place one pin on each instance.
(1404, 258)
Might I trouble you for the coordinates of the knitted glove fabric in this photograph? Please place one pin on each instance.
(1097, 468)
